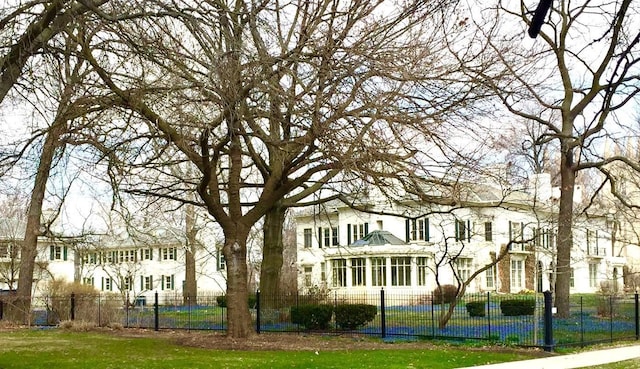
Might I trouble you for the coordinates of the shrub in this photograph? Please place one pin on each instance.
(351, 316)
(222, 301)
(445, 294)
(312, 316)
(476, 308)
(517, 307)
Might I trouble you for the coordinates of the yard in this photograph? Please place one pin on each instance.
(132, 348)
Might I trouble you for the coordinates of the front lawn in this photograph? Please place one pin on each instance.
(58, 348)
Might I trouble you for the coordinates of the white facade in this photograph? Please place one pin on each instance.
(450, 244)
(124, 267)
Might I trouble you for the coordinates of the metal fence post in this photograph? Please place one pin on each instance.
(126, 309)
(637, 314)
(581, 322)
(489, 314)
(156, 320)
(73, 306)
(383, 318)
(258, 311)
(548, 321)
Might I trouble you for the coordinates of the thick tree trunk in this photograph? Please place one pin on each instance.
(190, 292)
(29, 248)
(565, 233)
(272, 254)
(238, 318)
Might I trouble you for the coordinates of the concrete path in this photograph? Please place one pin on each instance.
(581, 360)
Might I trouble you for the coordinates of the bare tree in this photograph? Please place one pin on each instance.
(573, 81)
(270, 101)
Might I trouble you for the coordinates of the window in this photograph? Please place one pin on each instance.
(168, 253)
(4, 251)
(358, 275)
(88, 281)
(221, 263)
(592, 242)
(543, 237)
(516, 236)
(339, 272)
(334, 236)
(417, 229)
(167, 282)
(107, 284)
(593, 275)
(57, 252)
(423, 270)
(572, 282)
(463, 268)
(401, 271)
(356, 232)
(378, 272)
(490, 275)
(488, 231)
(323, 272)
(307, 276)
(463, 230)
(127, 256)
(146, 283)
(327, 237)
(127, 283)
(146, 254)
(307, 238)
(517, 277)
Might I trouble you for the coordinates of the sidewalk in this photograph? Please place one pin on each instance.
(580, 360)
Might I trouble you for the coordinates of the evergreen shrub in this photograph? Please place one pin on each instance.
(352, 316)
(312, 316)
(516, 307)
(476, 308)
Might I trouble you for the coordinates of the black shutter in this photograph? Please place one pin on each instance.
(407, 230)
(348, 234)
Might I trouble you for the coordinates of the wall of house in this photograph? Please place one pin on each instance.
(530, 258)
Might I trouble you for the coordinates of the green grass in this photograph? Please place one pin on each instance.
(63, 349)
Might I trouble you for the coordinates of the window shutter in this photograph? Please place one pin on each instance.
(457, 230)
(64, 253)
(407, 229)
(426, 230)
(162, 282)
(596, 239)
(172, 280)
(348, 234)
(320, 237)
(102, 284)
(510, 233)
(150, 282)
(51, 252)
(468, 230)
(366, 229)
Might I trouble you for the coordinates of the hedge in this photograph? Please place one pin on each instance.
(476, 308)
(312, 316)
(222, 301)
(352, 316)
(516, 307)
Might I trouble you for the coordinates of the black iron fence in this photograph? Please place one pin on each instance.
(522, 319)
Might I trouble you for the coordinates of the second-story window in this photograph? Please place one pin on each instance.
(488, 231)
(356, 232)
(463, 230)
(417, 229)
(308, 236)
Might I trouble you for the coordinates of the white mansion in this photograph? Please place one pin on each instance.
(123, 265)
(405, 246)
